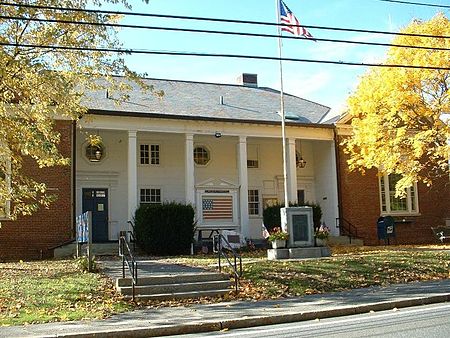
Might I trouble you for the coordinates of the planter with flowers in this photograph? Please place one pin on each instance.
(321, 234)
(278, 238)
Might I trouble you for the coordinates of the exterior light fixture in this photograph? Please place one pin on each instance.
(218, 134)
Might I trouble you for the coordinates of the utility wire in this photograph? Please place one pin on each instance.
(190, 30)
(179, 17)
(241, 56)
(416, 3)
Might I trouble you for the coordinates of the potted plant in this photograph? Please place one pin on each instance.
(321, 233)
(278, 238)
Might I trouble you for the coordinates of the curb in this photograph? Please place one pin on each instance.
(254, 321)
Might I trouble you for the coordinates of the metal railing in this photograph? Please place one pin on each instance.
(128, 260)
(230, 255)
(132, 233)
(346, 228)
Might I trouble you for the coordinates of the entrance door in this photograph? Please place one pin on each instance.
(96, 200)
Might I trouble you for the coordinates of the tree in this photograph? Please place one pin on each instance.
(38, 84)
(398, 113)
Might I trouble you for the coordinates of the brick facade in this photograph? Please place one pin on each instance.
(360, 205)
(31, 237)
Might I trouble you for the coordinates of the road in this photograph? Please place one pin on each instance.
(420, 321)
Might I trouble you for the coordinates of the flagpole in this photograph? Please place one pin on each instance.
(283, 124)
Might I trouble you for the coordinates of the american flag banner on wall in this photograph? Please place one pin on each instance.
(288, 18)
(217, 208)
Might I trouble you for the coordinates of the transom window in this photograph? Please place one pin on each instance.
(149, 154)
(391, 204)
(253, 202)
(95, 152)
(201, 155)
(150, 196)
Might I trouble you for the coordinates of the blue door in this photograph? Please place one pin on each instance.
(96, 200)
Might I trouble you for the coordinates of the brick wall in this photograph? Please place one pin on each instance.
(360, 205)
(30, 237)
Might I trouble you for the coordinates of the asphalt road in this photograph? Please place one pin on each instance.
(420, 321)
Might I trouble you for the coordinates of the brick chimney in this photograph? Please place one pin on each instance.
(248, 80)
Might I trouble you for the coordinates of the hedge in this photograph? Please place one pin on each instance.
(165, 229)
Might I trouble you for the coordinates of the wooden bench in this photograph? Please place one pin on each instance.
(441, 232)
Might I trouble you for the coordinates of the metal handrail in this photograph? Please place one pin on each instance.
(132, 233)
(129, 260)
(347, 227)
(221, 253)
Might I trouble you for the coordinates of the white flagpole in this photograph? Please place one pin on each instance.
(283, 129)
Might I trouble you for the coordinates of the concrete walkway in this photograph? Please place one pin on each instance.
(214, 317)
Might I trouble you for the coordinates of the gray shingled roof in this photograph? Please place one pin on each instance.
(198, 100)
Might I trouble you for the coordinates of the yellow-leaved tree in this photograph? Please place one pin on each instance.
(40, 84)
(400, 115)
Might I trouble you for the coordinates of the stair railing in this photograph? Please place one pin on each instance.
(129, 260)
(132, 233)
(230, 255)
(347, 228)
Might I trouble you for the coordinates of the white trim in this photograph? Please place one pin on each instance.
(388, 210)
(208, 149)
(155, 187)
(149, 144)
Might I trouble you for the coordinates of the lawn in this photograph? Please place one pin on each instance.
(57, 290)
(348, 268)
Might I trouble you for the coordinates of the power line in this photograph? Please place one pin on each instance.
(241, 56)
(416, 3)
(179, 17)
(190, 30)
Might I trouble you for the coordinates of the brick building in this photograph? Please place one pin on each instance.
(32, 237)
(364, 198)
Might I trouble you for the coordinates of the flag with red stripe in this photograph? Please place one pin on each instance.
(292, 24)
(217, 208)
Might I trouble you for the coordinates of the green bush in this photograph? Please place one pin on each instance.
(272, 218)
(165, 229)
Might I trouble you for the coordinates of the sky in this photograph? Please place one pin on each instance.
(329, 85)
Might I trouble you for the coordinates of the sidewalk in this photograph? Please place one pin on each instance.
(214, 317)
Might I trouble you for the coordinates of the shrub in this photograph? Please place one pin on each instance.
(165, 229)
(272, 218)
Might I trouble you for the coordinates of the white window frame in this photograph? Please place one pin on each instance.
(150, 202)
(411, 194)
(253, 156)
(150, 158)
(257, 202)
(207, 150)
(7, 206)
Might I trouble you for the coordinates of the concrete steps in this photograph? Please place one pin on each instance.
(176, 286)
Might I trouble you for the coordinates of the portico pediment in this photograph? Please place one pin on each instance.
(216, 183)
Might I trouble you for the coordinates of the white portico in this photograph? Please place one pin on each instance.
(223, 156)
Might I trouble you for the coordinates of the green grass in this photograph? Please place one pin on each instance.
(347, 271)
(46, 291)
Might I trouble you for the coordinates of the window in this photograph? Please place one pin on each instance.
(253, 202)
(252, 156)
(149, 154)
(201, 155)
(95, 152)
(391, 204)
(150, 196)
(5, 186)
(301, 197)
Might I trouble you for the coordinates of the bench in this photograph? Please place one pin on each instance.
(441, 232)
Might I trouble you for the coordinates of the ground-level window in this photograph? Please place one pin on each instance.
(149, 154)
(253, 202)
(392, 204)
(150, 196)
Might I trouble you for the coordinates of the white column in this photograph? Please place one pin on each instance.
(189, 170)
(334, 196)
(243, 182)
(132, 173)
(292, 171)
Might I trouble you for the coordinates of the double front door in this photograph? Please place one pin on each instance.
(96, 200)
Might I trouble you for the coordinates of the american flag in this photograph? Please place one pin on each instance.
(217, 208)
(288, 18)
